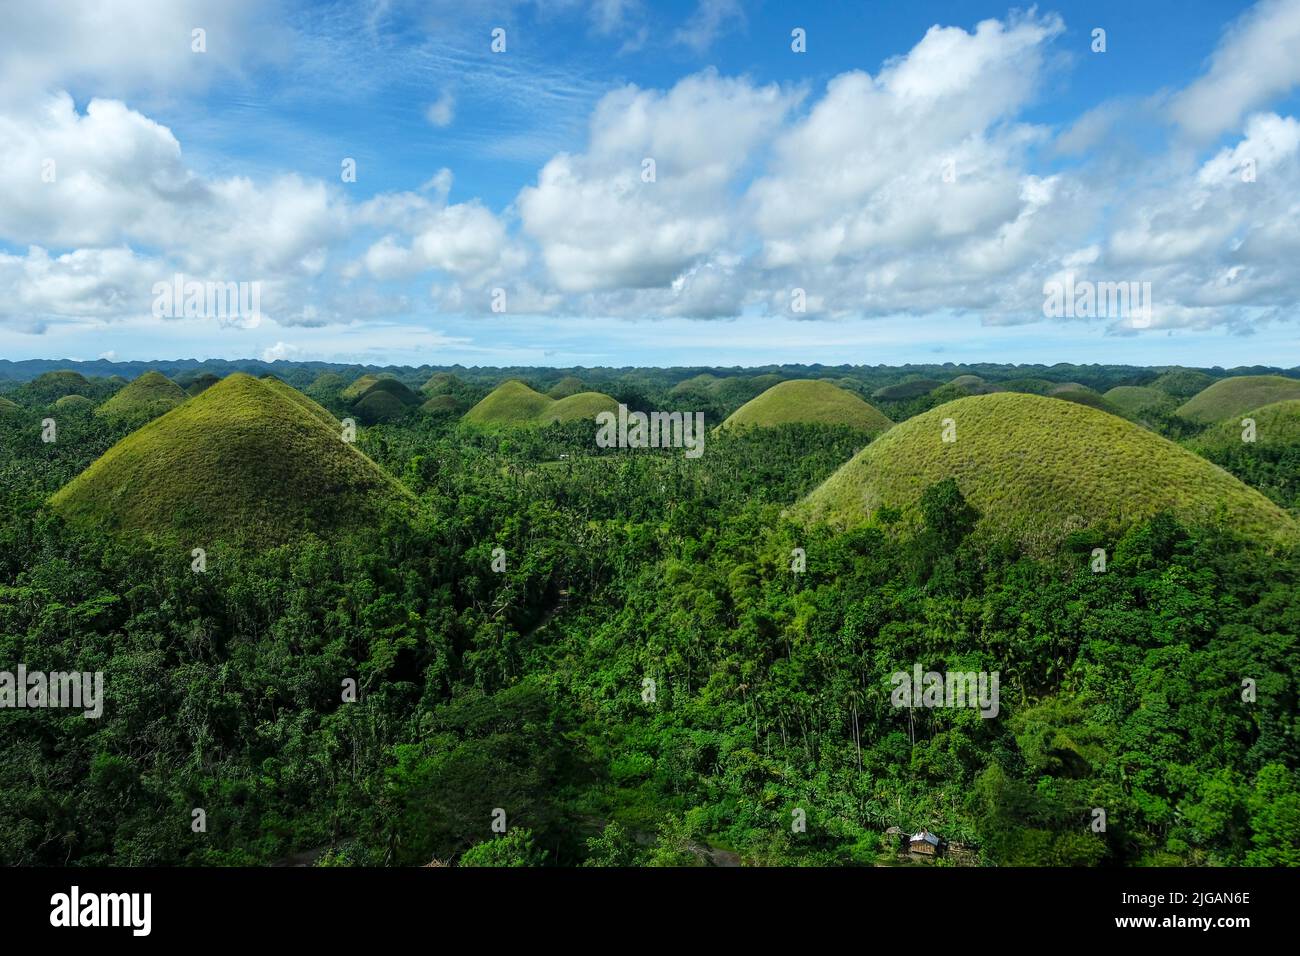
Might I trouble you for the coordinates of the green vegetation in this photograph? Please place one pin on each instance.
(1140, 403)
(510, 403)
(811, 402)
(199, 383)
(770, 639)
(378, 406)
(241, 461)
(1038, 469)
(1082, 395)
(1235, 396)
(569, 385)
(440, 383)
(514, 403)
(442, 405)
(583, 406)
(904, 390)
(150, 395)
(1270, 460)
(327, 387)
(56, 384)
(360, 386)
(9, 409)
(969, 384)
(1182, 383)
(76, 403)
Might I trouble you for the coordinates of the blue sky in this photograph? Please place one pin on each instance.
(916, 176)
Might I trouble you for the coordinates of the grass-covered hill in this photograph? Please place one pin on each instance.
(244, 460)
(60, 382)
(572, 408)
(510, 403)
(440, 383)
(1183, 383)
(442, 405)
(904, 390)
(808, 401)
(76, 403)
(327, 387)
(1038, 468)
(199, 383)
(696, 383)
(1271, 462)
(514, 403)
(379, 407)
(9, 409)
(150, 395)
(970, 384)
(1140, 403)
(361, 385)
(318, 411)
(569, 385)
(1235, 396)
(385, 400)
(1083, 395)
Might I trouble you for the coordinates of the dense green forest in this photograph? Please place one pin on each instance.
(661, 665)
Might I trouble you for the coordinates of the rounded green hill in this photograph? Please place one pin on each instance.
(1276, 426)
(1235, 396)
(569, 385)
(914, 388)
(65, 378)
(393, 387)
(807, 401)
(78, 403)
(49, 387)
(1182, 383)
(440, 383)
(201, 383)
(379, 407)
(9, 409)
(360, 386)
(576, 407)
(243, 461)
(1037, 468)
(510, 403)
(1140, 403)
(150, 395)
(441, 405)
(1265, 453)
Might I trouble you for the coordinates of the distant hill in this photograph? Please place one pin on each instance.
(514, 403)
(441, 383)
(150, 395)
(361, 385)
(808, 401)
(200, 383)
(1036, 468)
(244, 460)
(1271, 462)
(970, 384)
(576, 407)
(510, 403)
(379, 407)
(442, 405)
(78, 403)
(49, 387)
(1235, 396)
(1083, 395)
(569, 385)
(1139, 403)
(906, 390)
(1183, 383)
(8, 409)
